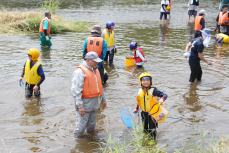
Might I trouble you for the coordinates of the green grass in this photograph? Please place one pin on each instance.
(137, 142)
(50, 5)
(28, 22)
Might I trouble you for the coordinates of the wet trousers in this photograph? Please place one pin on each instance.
(163, 14)
(196, 71)
(43, 40)
(29, 91)
(110, 55)
(103, 75)
(150, 124)
(87, 122)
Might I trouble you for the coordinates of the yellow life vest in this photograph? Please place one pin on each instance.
(225, 37)
(148, 103)
(109, 38)
(31, 75)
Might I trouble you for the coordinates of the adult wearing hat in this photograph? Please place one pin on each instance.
(96, 44)
(196, 46)
(200, 21)
(88, 94)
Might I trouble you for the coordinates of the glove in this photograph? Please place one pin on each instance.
(21, 83)
(47, 38)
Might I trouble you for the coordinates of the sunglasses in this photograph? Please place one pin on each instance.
(145, 79)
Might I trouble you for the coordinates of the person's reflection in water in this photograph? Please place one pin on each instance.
(45, 53)
(84, 145)
(193, 105)
(191, 31)
(31, 117)
(163, 35)
(192, 99)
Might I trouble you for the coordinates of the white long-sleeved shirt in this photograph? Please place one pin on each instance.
(89, 104)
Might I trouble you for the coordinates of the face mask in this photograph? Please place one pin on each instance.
(207, 41)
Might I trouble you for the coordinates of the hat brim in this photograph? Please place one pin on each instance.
(97, 60)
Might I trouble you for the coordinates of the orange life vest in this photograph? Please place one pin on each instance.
(41, 26)
(223, 19)
(95, 44)
(92, 86)
(198, 26)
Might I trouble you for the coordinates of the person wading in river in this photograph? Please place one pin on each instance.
(96, 44)
(192, 8)
(88, 94)
(109, 36)
(33, 74)
(147, 102)
(138, 54)
(199, 22)
(45, 30)
(223, 21)
(197, 47)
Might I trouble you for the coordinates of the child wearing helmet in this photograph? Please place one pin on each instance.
(147, 101)
(138, 54)
(32, 73)
(109, 36)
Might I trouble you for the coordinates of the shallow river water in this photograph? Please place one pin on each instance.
(47, 124)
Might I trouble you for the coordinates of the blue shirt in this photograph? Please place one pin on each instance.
(104, 48)
(197, 47)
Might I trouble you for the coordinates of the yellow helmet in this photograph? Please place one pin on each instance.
(145, 74)
(34, 53)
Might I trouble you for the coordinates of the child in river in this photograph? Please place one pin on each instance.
(138, 54)
(33, 73)
(152, 110)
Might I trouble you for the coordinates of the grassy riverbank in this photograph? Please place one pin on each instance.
(28, 22)
(137, 142)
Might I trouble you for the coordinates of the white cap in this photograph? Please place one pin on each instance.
(202, 12)
(93, 56)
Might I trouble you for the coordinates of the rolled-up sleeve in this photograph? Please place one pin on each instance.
(77, 86)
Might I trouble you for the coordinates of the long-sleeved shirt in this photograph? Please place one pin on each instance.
(89, 104)
(40, 72)
(104, 49)
(159, 93)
